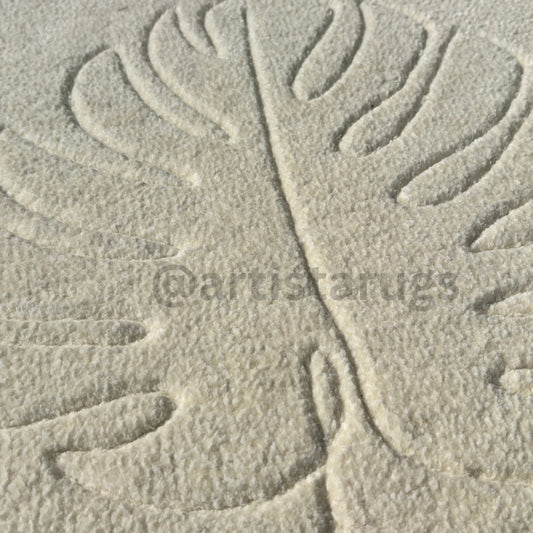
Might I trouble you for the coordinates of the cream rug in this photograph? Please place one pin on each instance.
(266, 265)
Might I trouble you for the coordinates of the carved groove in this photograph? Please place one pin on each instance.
(319, 34)
(200, 39)
(460, 171)
(464, 151)
(338, 16)
(51, 234)
(163, 26)
(371, 131)
(140, 415)
(143, 78)
(344, 136)
(512, 230)
(515, 306)
(70, 333)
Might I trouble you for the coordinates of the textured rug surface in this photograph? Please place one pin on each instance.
(267, 265)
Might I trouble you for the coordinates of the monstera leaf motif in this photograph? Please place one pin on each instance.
(328, 141)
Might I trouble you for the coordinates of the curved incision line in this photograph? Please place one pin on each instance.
(148, 411)
(70, 80)
(512, 230)
(516, 306)
(144, 98)
(346, 62)
(398, 189)
(67, 156)
(150, 88)
(367, 133)
(52, 234)
(200, 39)
(164, 179)
(202, 18)
(66, 96)
(327, 31)
(131, 332)
(377, 101)
(314, 478)
(318, 35)
(484, 214)
(70, 332)
(460, 171)
(322, 380)
(67, 92)
(183, 97)
(135, 81)
(513, 301)
(29, 245)
(93, 121)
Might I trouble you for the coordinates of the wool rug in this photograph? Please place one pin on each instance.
(266, 265)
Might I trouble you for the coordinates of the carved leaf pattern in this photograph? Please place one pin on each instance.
(199, 85)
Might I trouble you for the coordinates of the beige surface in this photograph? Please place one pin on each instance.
(308, 138)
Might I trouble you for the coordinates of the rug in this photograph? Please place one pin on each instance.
(266, 265)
